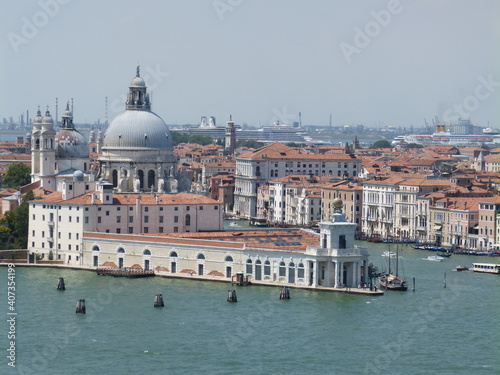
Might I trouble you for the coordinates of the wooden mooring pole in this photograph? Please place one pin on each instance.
(285, 293)
(231, 296)
(159, 301)
(80, 307)
(60, 284)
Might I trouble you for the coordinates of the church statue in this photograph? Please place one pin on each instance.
(161, 181)
(137, 182)
(123, 184)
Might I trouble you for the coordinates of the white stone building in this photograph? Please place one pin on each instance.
(59, 219)
(255, 168)
(274, 257)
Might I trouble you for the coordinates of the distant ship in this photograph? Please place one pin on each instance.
(444, 137)
(490, 131)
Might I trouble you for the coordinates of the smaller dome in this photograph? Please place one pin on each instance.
(137, 82)
(67, 113)
(28, 135)
(47, 119)
(38, 118)
(78, 175)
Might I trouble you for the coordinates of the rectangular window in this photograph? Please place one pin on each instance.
(78, 219)
(118, 219)
(70, 219)
(130, 219)
(43, 233)
(86, 219)
(161, 208)
(107, 213)
(216, 208)
(176, 208)
(98, 220)
(161, 219)
(146, 230)
(118, 230)
(77, 236)
(33, 216)
(69, 247)
(43, 217)
(176, 229)
(69, 236)
(146, 219)
(187, 208)
(160, 229)
(176, 219)
(33, 233)
(201, 208)
(130, 229)
(146, 209)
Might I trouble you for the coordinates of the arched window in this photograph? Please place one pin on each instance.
(121, 250)
(173, 254)
(228, 259)
(188, 219)
(151, 178)
(146, 252)
(200, 256)
(300, 271)
(272, 173)
(249, 266)
(95, 248)
(282, 269)
(115, 178)
(140, 174)
(267, 268)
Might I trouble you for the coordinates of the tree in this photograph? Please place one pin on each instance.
(382, 143)
(195, 138)
(17, 175)
(17, 222)
(415, 145)
(249, 144)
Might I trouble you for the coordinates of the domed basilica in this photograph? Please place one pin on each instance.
(137, 150)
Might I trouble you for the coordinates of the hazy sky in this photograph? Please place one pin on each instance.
(365, 62)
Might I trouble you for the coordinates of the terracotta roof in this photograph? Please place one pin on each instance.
(271, 239)
(278, 150)
(125, 198)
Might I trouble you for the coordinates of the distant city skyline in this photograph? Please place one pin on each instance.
(376, 63)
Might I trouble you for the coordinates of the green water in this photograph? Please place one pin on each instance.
(434, 330)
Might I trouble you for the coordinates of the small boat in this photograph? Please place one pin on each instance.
(444, 255)
(390, 281)
(233, 224)
(462, 268)
(434, 258)
(388, 253)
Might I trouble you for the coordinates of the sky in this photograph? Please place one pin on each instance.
(370, 62)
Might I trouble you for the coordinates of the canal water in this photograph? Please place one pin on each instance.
(434, 330)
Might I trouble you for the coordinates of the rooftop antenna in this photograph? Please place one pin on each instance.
(57, 111)
(106, 110)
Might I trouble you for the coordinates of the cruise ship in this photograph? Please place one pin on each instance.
(444, 137)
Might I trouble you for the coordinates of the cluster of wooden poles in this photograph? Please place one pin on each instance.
(158, 300)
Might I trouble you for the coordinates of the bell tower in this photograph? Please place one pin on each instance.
(47, 151)
(230, 139)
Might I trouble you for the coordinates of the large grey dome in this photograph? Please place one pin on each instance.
(137, 129)
(71, 144)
